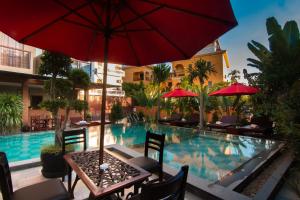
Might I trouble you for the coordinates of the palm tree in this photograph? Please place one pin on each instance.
(201, 71)
(161, 73)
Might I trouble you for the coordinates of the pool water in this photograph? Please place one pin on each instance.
(210, 156)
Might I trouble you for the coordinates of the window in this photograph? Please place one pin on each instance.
(138, 76)
(35, 101)
(209, 84)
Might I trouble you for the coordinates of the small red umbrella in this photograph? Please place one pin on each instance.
(178, 92)
(235, 89)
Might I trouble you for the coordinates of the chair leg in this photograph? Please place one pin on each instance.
(70, 181)
(74, 184)
(160, 175)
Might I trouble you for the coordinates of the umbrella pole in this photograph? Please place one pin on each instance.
(107, 34)
(103, 103)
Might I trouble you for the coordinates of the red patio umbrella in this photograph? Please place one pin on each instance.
(131, 32)
(235, 89)
(178, 92)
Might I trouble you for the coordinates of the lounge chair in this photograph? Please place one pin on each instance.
(225, 122)
(174, 117)
(259, 126)
(173, 188)
(192, 120)
(53, 189)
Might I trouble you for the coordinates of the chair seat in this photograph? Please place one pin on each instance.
(48, 190)
(146, 163)
(135, 197)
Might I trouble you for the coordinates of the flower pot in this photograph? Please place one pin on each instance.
(54, 165)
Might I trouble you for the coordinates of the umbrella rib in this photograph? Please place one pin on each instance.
(24, 39)
(76, 13)
(135, 30)
(92, 44)
(80, 24)
(129, 39)
(192, 13)
(96, 14)
(138, 18)
(159, 32)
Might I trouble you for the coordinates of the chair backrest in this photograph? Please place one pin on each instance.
(75, 136)
(5, 178)
(262, 121)
(229, 119)
(194, 117)
(176, 116)
(172, 189)
(75, 119)
(155, 142)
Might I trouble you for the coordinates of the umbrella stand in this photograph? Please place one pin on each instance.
(107, 34)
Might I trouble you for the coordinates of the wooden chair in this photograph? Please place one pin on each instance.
(71, 137)
(155, 142)
(172, 189)
(52, 189)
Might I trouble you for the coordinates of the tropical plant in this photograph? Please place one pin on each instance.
(278, 78)
(116, 112)
(141, 95)
(62, 88)
(200, 71)
(161, 73)
(11, 108)
(234, 75)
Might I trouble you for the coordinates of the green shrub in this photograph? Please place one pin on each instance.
(116, 112)
(215, 117)
(11, 108)
(55, 149)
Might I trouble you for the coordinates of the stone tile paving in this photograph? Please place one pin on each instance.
(31, 176)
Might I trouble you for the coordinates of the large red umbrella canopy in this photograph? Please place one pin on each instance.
(140, 32)
(178, 92)
(130, 32)
(235, 89)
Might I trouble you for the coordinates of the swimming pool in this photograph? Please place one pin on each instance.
(210, 156)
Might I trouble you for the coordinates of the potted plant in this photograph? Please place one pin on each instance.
(62, 88)
(53, 162)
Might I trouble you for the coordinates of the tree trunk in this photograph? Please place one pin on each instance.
(158, 109)
(64, 125)
(58, 133)
(201, 109)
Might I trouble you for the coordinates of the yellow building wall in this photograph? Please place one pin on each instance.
(129, 74)
(217, 59)
(180, 69)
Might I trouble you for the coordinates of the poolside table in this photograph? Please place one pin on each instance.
(120, 175)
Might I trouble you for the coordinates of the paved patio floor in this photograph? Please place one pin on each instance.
(31, 176)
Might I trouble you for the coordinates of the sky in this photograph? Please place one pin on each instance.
(251, 16)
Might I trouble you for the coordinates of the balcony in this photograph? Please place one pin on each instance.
(14, 57)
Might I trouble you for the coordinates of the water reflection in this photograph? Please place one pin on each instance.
(210, 156)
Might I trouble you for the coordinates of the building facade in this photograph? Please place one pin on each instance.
(211, 53)
(19, 75)
(137, 74)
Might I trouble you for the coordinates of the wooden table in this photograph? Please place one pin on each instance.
(121, 174)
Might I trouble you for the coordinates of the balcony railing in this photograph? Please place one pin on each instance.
(14, 57)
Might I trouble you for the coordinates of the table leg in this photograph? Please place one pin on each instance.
(70, 181)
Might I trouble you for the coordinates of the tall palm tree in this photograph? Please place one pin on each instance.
(200, 71)
(161, 73)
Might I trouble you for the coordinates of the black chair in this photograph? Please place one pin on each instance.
(71, 137)
(155, 142)
(52, 189)
(172, 189)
